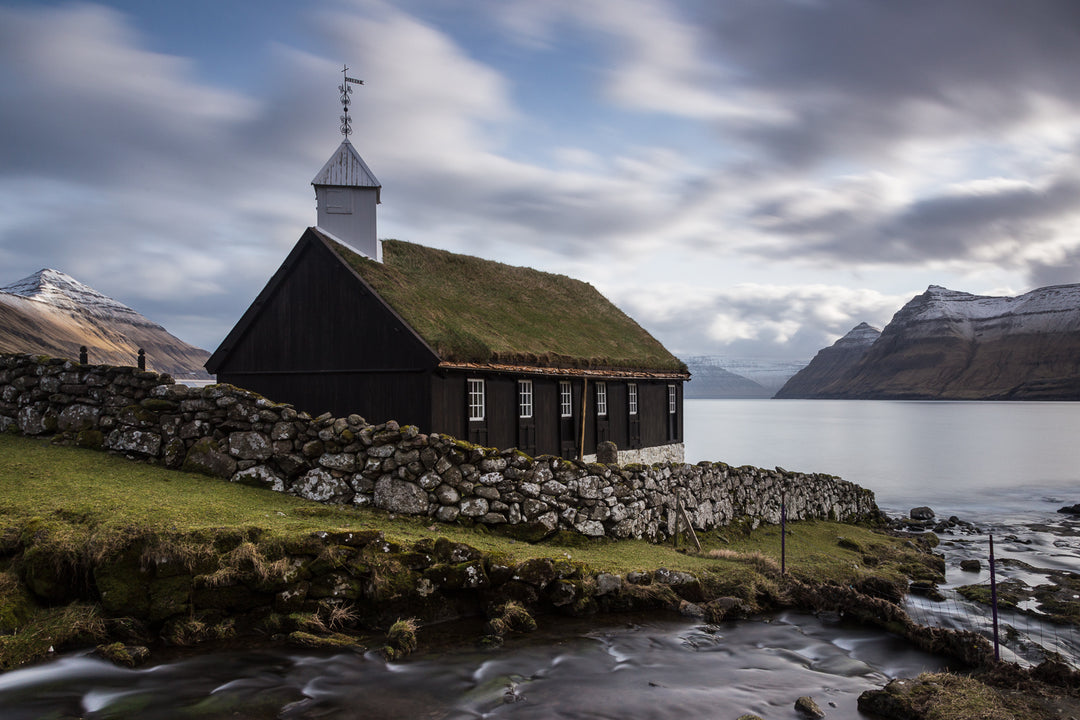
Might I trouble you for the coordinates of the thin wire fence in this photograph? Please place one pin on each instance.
(1025, 635)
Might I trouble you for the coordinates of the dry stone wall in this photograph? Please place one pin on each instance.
(228, 432)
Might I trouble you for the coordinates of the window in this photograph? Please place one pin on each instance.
(672, 404)
(631, 398)
(476, 399)
(339, 202)
(566, 399)
(601, 398)
(525, 398)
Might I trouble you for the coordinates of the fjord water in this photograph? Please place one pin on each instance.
(967, 458)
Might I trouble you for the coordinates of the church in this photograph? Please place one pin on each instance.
(498, 355)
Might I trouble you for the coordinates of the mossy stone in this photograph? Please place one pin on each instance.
(462, 576)
(91, 439)
(122, 584)
(49, 575)
(538, 572)
(168, 597)
(16, 605)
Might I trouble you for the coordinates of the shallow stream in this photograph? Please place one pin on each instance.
(574, 669)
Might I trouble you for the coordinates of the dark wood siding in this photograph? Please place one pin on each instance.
(404, 397)
(320, 317)
(316, 338)
(448, 403)
(502, 411)
(617, 427)
(546, 414)
(652, 407)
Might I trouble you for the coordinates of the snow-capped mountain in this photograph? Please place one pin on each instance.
(945, 344)
(831, 363)
(52, 313)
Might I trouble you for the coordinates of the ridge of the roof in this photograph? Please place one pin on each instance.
(472, 310)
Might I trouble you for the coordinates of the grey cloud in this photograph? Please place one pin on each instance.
(859, 74)
(1064, 271)
(944, 227)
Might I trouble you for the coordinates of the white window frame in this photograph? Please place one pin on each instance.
(601, 398)
(631, 397)
(525, 399)
(566, 399)
(672, 400)
(476, 398)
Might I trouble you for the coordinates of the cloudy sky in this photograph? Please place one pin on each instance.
(747, 178)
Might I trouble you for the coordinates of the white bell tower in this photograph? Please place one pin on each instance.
(347, 192)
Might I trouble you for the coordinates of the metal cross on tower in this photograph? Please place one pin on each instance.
(346, 90)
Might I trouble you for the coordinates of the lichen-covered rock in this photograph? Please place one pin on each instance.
(250, 446)
(260, 476)
(345, 462)
(75, 418)
(400, 496)
(474, 507)
(321, 485)
(141, 442)
(204, 457)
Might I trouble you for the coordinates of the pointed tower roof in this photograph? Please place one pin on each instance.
(346, 168)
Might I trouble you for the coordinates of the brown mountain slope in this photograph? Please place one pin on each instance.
(830, 364)
(948, 345)
(51, 313)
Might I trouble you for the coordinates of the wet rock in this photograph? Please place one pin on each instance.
(561, 593)
(971, 565)
(808, 707)
(928, 590)
(124, 655)
(692, 610)
(1070, 509)
(921, 513)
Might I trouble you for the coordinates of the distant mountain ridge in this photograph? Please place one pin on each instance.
(831, 363)
(742, 377)
(951, 345)
(52, 313)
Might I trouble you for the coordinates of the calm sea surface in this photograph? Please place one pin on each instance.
(983, 458)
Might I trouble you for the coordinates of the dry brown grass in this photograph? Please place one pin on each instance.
(755, 558)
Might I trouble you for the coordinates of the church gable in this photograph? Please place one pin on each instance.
(316, 315)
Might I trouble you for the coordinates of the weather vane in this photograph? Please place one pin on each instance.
(346, 90)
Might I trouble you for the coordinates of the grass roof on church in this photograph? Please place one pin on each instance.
(473, 310)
